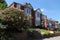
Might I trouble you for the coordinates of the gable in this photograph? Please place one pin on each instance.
(38, 10)
(28, 5)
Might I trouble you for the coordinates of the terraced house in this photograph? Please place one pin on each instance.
(38, 19)
(52, 24)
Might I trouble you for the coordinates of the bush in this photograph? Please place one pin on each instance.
(33, 33)
(13, 21)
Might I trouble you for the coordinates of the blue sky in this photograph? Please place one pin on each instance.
(51, 8)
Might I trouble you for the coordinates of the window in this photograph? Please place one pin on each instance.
(37, 14)
(18, 6)
(27, 10)
(37, 19)
(37, 22)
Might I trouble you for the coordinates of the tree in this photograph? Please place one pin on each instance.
(3, 4)
(56, 21)
(14, 18)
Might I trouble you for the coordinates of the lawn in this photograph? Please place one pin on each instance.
(42, 31)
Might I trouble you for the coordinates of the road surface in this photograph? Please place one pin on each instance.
(53, 38)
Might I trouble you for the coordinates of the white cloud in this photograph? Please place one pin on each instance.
(34, 8)
(44, 10)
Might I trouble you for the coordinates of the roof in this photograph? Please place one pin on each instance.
(24, 4)
(15, 3)
(38, 10)
(27, 5)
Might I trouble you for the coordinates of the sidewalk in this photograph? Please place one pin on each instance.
(53, 38)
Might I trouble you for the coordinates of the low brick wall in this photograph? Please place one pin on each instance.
(25, 35)
(51, 35)
(22, 36)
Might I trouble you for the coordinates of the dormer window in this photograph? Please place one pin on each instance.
(28, 5)
(18, 6)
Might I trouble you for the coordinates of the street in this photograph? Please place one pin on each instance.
(53, 38)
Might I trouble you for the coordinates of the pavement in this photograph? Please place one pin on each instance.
(53, 38)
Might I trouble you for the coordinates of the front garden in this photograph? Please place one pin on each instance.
(15, 25)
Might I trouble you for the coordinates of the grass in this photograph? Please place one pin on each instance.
(46, 32)
(42, 31)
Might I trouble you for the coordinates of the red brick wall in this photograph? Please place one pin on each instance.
(40, 19)
(13, 5)
(22, 36)
(33, 18)
(45, 22)
(56, 25)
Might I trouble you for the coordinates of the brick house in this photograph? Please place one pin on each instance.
(59, 26)
(56, 25)
(52, 24)
(26, 8)
(37, 16)
(43, 20)
(38, 19)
